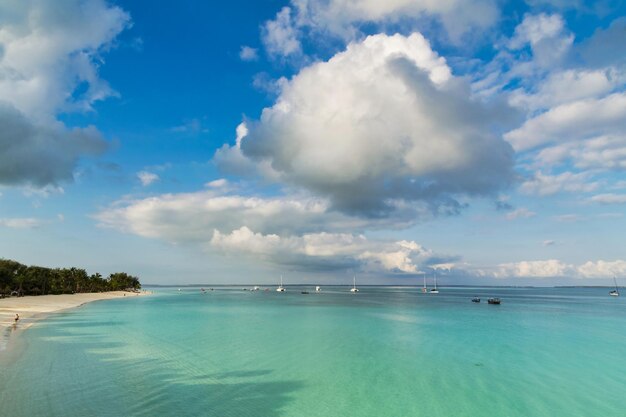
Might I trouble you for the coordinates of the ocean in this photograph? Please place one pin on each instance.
(385, 351)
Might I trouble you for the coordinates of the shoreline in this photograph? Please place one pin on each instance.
(33, 308)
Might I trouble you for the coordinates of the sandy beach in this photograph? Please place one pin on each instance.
(30, 307)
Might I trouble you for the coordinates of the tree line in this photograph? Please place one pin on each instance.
(18, 279)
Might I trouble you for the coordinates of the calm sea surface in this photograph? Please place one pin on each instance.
(381, 352)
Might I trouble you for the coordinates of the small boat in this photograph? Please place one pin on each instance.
(493, 301)
(255, 288)
(424, 289)
(304, 292)
(615, 292)
(318, 289)
(280, 287)
(475, 300)
(354, 288)
(435, 290)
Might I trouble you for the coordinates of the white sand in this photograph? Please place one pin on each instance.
(31, 306)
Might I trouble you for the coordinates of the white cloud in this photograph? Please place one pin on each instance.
(554, 268)
(609, 198)
(543, 184)
(280, 36)
(277, 230)
(547, 37)
(247, 53)
(193, 217)
(48, 50)
(520, 213)
(324, 250)
(565, 86)
(534, 269)
(534, 59)
(602, 269)
(574, 121)
(601, 153)
(382, 121)
(21, 223)
(549, 242)
(43, 192)
(147, 178)
(219, 183)
(342, 18)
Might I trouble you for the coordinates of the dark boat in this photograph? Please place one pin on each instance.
(476, 300)
(615, 292)
(493, 301)
(304, 292)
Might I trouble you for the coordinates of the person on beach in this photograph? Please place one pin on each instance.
(17, 318)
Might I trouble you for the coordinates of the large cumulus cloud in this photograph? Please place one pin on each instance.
(49, 59)
(383, 121)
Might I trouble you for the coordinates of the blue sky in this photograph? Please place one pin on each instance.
(205, 143)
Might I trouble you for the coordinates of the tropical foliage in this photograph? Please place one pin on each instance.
(19, 279)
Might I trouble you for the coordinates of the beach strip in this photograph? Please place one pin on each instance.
(30, 307)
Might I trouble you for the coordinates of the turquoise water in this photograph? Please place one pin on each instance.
(381, 352)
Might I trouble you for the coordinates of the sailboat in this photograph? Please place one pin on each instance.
(354, 288)
(615, 292)
(424, 289)
(435, 290)
(280, 287)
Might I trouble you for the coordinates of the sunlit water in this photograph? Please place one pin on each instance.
(381, 352)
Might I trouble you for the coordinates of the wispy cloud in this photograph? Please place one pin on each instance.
(543, 184)
(609, 198)
(520, 213)
(147, 178)
(193, 126)
(570, 217)
(21, 223)
(247, 53)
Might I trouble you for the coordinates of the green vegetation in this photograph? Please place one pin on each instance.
(18, 279)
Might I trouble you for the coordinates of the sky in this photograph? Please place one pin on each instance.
(232, 142)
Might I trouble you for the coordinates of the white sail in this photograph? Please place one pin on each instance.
(281, 288)
(354, 288)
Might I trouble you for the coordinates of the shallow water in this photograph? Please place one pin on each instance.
(381, 352)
